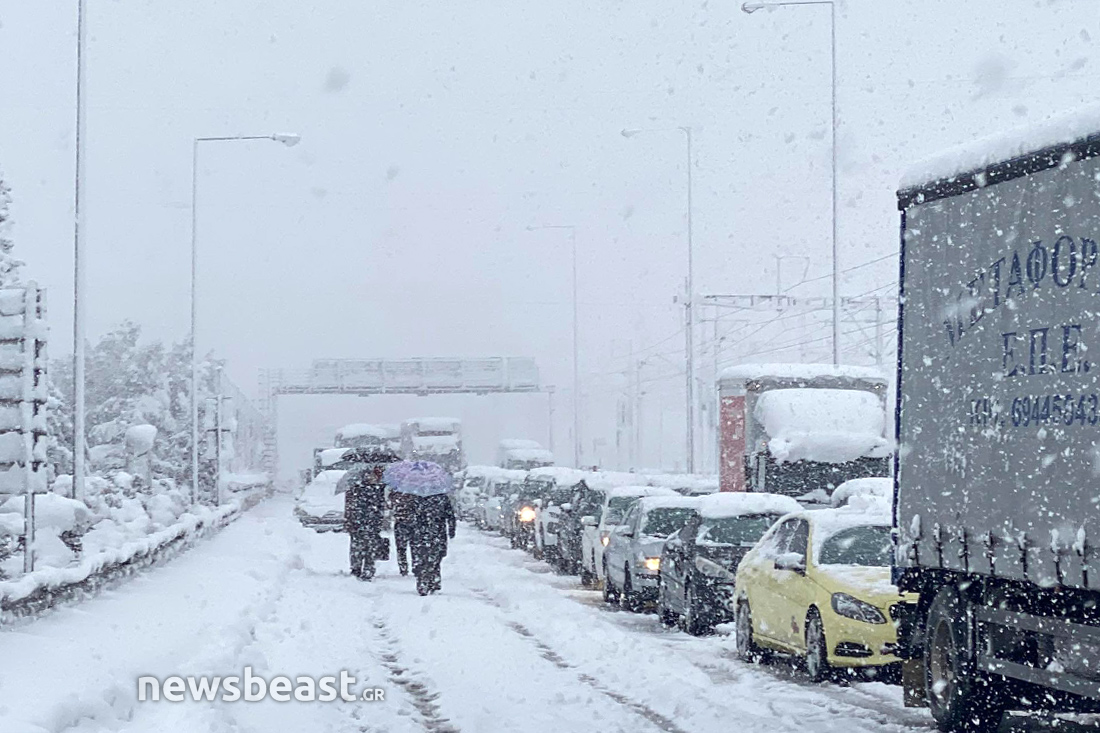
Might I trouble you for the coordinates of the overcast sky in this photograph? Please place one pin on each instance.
(434, 134)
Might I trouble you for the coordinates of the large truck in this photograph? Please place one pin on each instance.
(997, 488)
(437, 439)
(801, 429)
(367, 435)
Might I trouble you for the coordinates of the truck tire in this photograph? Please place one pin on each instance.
(962, 700)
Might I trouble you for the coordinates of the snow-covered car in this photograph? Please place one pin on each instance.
(558, 484)
(818, 586)
(632, 558)
(699, 563)
(320, 507)
(598, 527)
(499, 484)
(473, 482)
(688, 484)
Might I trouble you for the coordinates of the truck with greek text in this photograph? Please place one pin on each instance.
(997, 482)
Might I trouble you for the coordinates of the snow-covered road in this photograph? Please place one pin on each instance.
(507, 646)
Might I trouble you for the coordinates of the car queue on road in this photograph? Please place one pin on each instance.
(807, 581)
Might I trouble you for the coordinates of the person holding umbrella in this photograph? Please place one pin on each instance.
(364, 504)
(429, 514)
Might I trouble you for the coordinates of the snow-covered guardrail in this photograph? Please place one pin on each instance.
(47, 587)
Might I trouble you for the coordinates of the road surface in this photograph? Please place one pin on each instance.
(507, 646)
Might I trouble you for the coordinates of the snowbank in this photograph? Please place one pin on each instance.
(823, 425)
(972, 157)
(738, 504)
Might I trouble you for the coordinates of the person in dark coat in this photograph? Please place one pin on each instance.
(432, 523)
(364, 507)
(404, 508)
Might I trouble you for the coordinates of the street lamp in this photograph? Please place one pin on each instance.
(689, 346)
(576, 344)
(79, 258)
(288, 139)
(752, 7)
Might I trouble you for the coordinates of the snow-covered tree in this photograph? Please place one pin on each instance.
(9, 265)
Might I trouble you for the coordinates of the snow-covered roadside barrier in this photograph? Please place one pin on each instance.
(49, 586)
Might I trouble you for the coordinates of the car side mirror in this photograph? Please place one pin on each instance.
(792, 561)
(588, 521)
(567, 507)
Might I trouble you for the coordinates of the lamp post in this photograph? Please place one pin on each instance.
(78, 259)
(576, 343)
(286, 138)
(752, 7)
(689, 328)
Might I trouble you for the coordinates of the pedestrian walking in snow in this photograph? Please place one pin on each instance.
(364, 505)
(429, 517)
(404, 508)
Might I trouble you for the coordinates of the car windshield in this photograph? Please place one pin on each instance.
(869, 545)
(616, 508)
(747, 529)
(663, 521)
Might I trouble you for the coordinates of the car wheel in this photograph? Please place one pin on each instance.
(747, 648)
(628, 601)
(610, 595)
(817, 651)
(693, 621)
(664, 615)
(960, 698)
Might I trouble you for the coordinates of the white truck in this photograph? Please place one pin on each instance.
(437, 439)
(998, 470)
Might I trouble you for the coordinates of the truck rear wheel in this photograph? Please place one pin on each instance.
(962, 699)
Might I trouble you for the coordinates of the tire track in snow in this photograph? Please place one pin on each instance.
(415, 685)
(548, 653)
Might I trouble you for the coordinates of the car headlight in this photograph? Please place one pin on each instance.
(526, 514)
(605, 540)
(853, 608)
(652, 564)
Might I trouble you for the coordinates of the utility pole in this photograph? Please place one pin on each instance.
(79, 265)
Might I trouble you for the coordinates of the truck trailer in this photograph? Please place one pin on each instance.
(997, 478)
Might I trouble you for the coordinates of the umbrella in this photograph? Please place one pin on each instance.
(420, 478)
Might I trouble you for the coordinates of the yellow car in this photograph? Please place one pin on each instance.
(817, 585)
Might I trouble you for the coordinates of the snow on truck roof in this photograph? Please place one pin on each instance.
(743, 372)
(517, 443)
(529, 454)
(826, 425)
(435, 423)
(367, 430)
(975, 156)
(739, 504)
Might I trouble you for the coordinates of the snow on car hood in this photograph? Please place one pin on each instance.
(319, 496)
(823, 425)
(870, 583)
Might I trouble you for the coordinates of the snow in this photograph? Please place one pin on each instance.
(332, 456)
(367, 430)
(826, 425)
(561, 474)
(642, 491)
(880, 487)
(874, 580)
(530, 454)
(51, 510)
(320, 495)
(668, 502)
(687, 483)
(607, 480)
(508, 645)
(436, 424)
(737, 504)
(510, 444)
(745, 372)
(1064, 127)
(140, 438)
(435, 443)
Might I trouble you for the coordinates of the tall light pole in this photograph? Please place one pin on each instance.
(689, 306)
(752, 7)
(286, 138)
(78, 259)
(576, 343)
